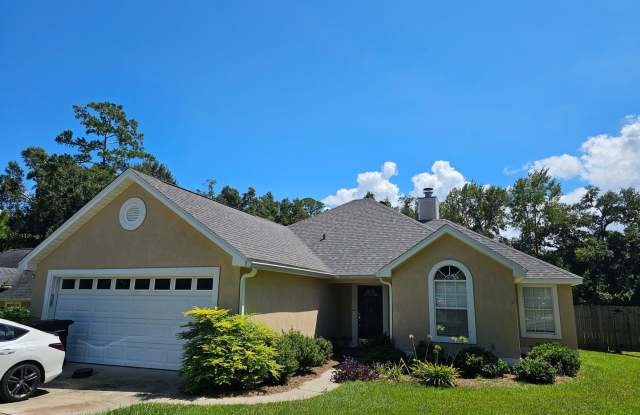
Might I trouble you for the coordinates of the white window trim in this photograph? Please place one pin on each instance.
(54, 277)
(471, 314)
(556, 313)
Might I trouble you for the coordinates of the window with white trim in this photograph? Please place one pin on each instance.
(539, 311)
(451, 303)
(539, 314)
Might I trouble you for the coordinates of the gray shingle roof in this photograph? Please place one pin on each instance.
(256, 238)
(21, 288)
(362, 236)
(11, 257)
(357, 238)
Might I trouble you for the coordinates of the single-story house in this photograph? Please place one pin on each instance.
(127, 265)
(15, 286)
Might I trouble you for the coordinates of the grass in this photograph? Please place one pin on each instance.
(606, 384)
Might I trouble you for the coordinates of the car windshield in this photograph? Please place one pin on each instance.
(8, 332)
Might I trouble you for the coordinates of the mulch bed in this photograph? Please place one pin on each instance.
(292, 383)
(506, 380)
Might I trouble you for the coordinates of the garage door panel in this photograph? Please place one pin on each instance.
(128, 327)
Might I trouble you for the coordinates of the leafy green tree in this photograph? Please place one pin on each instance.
(4, 224)
(482, 209)
(111, 139)
(537, 212)
(407, 206)
(231, 197)
(370, 195)
(156, 169)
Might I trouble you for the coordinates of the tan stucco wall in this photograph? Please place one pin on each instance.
(567, 321)
(163, 240)
(285, 302)
(494, 293)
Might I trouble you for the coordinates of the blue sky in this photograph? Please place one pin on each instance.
(301, 97)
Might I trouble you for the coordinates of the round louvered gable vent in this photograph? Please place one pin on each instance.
(132, 213)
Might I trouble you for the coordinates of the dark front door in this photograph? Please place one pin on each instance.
(369, 311)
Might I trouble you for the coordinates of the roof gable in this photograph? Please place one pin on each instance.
(245, 237)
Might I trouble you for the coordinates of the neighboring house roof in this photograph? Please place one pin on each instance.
(359, 238)
(19, 283)
(11, 257)
(21, 288)
(8, 276)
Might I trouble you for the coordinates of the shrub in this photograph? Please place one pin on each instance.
(351, 369)
(472, 360)
(391, 371)
(18, 314)
(298, 353)
(326, 347)
(381, 350)
(432, 374)
(225, 350)
(288, 356)
(534, 371)
(494, 370)
(565, 360)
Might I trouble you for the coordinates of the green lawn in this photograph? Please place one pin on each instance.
(607, 384)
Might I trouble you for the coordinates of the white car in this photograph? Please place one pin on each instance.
(28, 358)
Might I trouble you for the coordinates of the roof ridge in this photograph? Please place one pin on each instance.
(509, 247)
(210, 200)
(253, 217)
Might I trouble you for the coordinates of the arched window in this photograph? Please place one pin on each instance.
(451, 306)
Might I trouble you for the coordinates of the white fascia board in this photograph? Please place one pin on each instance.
(518, 270)
(118, 185)
(268, 266)
(558, 281)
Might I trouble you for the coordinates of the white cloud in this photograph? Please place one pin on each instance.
(563, 167)
(610, 162)
(377, 182)
(442, 179)
(573, 196)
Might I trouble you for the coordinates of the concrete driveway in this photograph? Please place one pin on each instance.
(109, 387)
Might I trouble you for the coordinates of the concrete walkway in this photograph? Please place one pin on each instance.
(309, 389)
(112, 387)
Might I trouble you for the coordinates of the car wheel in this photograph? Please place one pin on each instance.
(20, 382)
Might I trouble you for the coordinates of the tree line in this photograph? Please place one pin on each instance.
(110, 143)
(597, 237)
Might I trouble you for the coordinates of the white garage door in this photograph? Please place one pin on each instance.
(130, 321)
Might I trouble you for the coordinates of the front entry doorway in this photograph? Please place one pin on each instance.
(369, 311)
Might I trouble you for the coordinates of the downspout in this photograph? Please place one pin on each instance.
(388, 284)
(243, 288)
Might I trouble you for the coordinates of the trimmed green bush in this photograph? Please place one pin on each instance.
(476, 361)
(18, 314)
(299, 353)
(225, 350)
(431, 374)
(494, 370)
(326, 347)
(535, 371)
(288, 356)
(564, 359)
